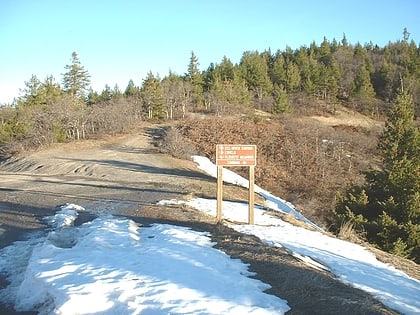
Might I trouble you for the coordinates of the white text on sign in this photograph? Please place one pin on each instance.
(236, 155)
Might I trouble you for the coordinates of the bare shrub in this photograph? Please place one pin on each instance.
(177, 145)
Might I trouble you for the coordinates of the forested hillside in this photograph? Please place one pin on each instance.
(269, 98)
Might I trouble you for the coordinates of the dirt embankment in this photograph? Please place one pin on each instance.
(126, 175)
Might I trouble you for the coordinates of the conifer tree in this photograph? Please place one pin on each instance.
(106, 94)
(390, 211)
(196, 79)
(39, 93)
(31, 92)
(399, 147)
(278, 70)
(152, 94)
(292, 77)
(226, 69)
(281, 100)
(131, 89)
(362, 88)
(254, 70)
(383, 80)
(344, 41)
(76, 80)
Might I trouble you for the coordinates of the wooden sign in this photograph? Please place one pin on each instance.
(236, 155)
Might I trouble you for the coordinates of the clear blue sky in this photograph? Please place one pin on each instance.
(121, 40)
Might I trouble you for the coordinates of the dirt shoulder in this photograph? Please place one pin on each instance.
(126, 175)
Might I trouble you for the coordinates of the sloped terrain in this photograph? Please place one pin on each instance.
(126, 175)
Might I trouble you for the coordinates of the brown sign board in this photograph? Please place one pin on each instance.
(236, 155)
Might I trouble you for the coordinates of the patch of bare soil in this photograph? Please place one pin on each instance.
(345, 117)
(126, 175)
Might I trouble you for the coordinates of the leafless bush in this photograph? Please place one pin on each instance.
(113, 117)
(177, 145)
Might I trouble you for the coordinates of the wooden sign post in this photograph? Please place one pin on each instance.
(236, 155)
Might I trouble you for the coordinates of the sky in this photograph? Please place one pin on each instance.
(121, 40)
(167, 269)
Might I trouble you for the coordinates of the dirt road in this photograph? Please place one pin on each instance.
(126, 175)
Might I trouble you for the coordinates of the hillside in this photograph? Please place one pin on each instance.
(126, 175)
(306, 159)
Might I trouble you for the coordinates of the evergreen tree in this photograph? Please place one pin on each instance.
(51, 89)
(292, 77)
(278, 71)
(383, 80)
(324, 52)
(281, 101)
(390, 211)
(30, 95)
(196, 80)
(406, 34)
(344, 41)
(362, 88)
(254, 69)
(152, 94)
(76, 80)
(399, 147)
(116, 92)
(92, 97)
(39, 93)
(398, 185)
(285, 72)
(226, 69)
(131, 89)
(106, 94)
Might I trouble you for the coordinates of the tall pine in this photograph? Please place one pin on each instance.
(399, 147)
(390, 211)
(76, 80)
(195, 78)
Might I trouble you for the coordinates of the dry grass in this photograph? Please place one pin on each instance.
(347, 232)
(408, 266)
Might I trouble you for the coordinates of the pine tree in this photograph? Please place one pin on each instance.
(254, 70)
(153, 96)
(76, 80)
(399, 147)
(92, 97)
(226, 69)
(131, 89)
(383, 80)
(30, 95)
(196, 80)
(362, 88)
(106, 94)
(51, 89)
(293, 77)
(344, 41)
(278, 70)
(116, 92)
(281, 101)
(39, 93)
(390, 212)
